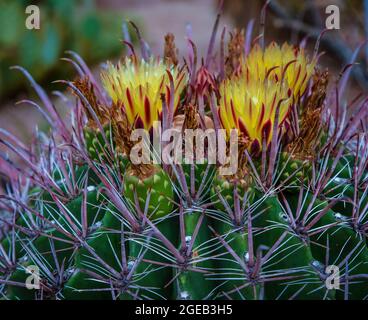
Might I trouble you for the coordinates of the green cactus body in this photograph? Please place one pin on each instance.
(225, 188)
(43, 203)
(43, 200)
(95, 213)
(106, 243)
(43, 245)
(7, 244)
(238, 241)
(79, 171)
(15, 292)
(295, 255)
(95, 143)
(201, 175)
(154, 277)
(344, 240)
(63, 254)
(341, 240)
(156, 187)
(294, 167)
(344, 167)
(189, 284)
(340, 186)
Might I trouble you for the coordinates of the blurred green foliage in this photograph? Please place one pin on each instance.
(65, 25)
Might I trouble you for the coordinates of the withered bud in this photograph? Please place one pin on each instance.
(243, 145)
(242, 175)
(85, 86)
(305, 144)
(235, 52)
(191, 119)
(319, 88)
(121, 129)
(170, 51)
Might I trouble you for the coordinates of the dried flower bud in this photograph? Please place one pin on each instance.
(86, 87)
(235, 52)
(170, 50)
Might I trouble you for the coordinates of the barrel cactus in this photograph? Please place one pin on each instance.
(85, 220)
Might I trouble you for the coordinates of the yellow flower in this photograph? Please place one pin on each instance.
(138, 86)
(288, 63)
(267, 79)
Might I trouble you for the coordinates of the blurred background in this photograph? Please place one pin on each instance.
(93, 28)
